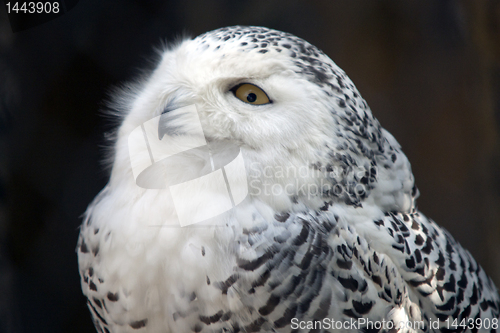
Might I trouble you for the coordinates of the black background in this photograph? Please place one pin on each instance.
(430, 70)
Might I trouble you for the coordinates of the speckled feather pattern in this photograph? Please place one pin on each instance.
(358, 248)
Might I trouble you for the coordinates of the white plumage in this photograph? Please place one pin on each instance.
(328, 233)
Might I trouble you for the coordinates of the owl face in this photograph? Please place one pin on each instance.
(261, 88)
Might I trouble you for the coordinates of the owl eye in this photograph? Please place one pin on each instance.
(250, 94)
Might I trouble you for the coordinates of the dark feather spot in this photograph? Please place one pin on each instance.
(440, 274)
(262, 279)
(344, 264)
(440, 260)
(254, 264)
(272, 302)
(92, 286)
(428, 246)
(415, 225)
(224, 286)
(362, 308)
(418, 256)
(212, 319)
(302, 237)
(450, 285)
(97, 302)
(447, 306)
(410, 263)
(112, 297)
(282, 217)
(377, 280)
(350, 313)
(83, 247)
(466, 312)
(348, 283)
(474, 296)
(138, 324)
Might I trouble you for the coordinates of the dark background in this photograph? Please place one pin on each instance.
(430, 70)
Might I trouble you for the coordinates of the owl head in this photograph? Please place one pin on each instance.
(297, 119)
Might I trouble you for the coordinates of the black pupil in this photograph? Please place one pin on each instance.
(251, 97)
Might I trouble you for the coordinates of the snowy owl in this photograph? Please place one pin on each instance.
(252, 190)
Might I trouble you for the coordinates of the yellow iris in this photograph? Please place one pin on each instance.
(251, 94)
